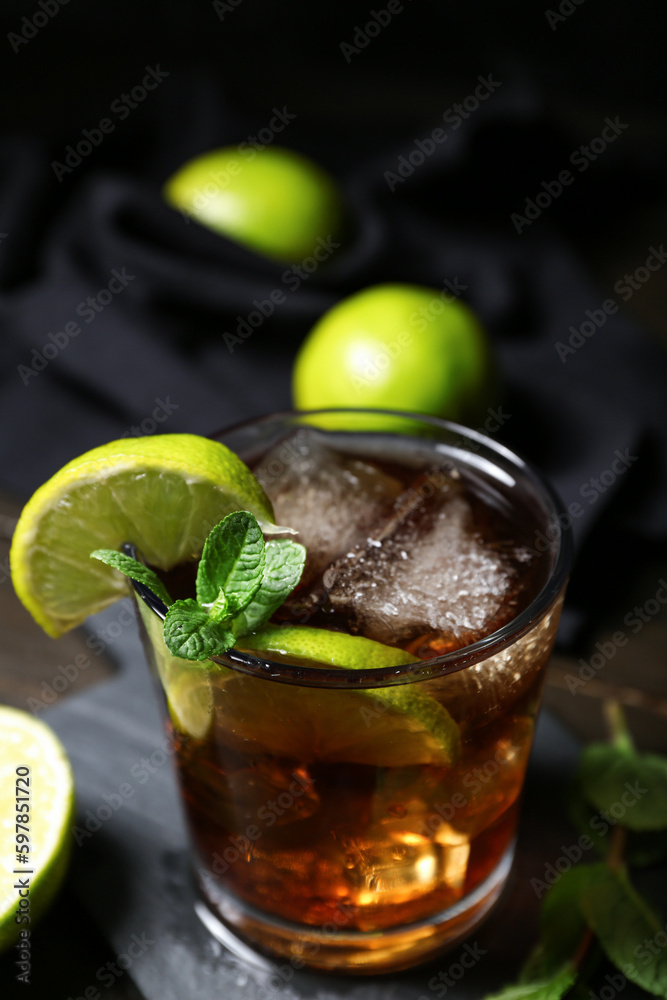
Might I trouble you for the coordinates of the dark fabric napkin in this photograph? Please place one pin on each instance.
(155, 358)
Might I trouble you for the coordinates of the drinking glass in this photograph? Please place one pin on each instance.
(329, 826)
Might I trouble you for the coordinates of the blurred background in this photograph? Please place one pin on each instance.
(356, 99)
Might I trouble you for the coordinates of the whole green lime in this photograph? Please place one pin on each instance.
(400, 347)
(272, 200)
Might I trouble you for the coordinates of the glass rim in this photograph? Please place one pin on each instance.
(452, 662)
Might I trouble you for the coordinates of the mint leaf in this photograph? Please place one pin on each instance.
(642, 848)
(631, 787)
(282, 571)
(562, 925)
(233, 561)
(626, 928)
(550, 988)
(219, 610)
(190, 633)
(135, 570)
(237, 572)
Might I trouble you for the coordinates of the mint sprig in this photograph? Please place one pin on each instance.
(284, 561)
(241, 581)
(593, 910)
(191, 633)
(232, 562)
(611, 774)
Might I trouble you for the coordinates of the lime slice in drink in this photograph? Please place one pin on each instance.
(163, 493)
(395, 726)
(338, 649)
(34, 773)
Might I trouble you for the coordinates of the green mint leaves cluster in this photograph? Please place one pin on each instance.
(241, 581)
(619, 804)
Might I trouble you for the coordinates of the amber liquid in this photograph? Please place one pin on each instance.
(365, 847)
(381, 846)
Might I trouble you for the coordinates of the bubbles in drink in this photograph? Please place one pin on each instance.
(397, 561)
(428, 572)
(337, 808)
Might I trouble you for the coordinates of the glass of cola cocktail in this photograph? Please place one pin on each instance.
(364, 819)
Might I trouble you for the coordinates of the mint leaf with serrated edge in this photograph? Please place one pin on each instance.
(219, 610)
(625, 924)
(282, 571)
(191, 634)
(232, 561)
(594, 909)
(134, 570)
(632, 786)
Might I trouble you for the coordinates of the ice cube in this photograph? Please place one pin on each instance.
(332, 499)
(427, 571)
(395, 865)
(390, 870)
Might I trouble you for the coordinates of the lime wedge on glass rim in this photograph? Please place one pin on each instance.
(163, 494)
(34, 772)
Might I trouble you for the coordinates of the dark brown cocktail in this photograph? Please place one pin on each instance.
(363, 819)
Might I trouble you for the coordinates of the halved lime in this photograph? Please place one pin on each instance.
(36, 808)
(395, 726)
(163, 493)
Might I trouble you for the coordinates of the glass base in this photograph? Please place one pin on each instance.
(236, 925)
